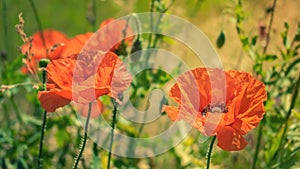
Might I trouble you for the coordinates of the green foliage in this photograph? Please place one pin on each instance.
(220, 40)
(282, 80)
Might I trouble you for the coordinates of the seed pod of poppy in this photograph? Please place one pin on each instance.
(137, 46)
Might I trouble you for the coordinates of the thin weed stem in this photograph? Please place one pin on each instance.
(38, 21)
(114, 120)
(260, 129)
(40, 157)
(83, 143)
(270, 27)
(5, 26)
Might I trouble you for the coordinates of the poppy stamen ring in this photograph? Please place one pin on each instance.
(215, 108)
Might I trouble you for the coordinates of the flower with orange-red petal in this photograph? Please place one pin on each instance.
(225, 104)
(81, 79)
(46, 44)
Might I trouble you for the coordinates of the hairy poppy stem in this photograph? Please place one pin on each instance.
(114, 119)
(83, 143)
(210, 151)
(39, 161)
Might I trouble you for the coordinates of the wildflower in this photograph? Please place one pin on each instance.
(36, 49)
(108, 39)
(52, 46)
(227, 111)
(86, 83)
(75, 45)
(114, 35)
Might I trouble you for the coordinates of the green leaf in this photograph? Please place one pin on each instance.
(244, 41)
(270, 154)
(297, 38)
(254, 40)
(220, 40)
(270, 57)
(286, 25)
(291, 66)
(269, 10)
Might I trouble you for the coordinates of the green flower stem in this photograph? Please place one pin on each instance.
(114, 119)
(5, 26)
(84, 137)
(38, 21)
(269, 28)
(257, 146)
(151, 23)
(210, 151)
(39, 161)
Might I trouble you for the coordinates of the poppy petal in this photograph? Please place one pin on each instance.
(51, 100)
(229, 139)
(249, 107)
(51, 38)
(172, 112)
(60, 72)
(113, 72)
(75, 45)
(121, 79)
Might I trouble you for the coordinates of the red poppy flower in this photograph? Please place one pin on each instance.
(227, 107)
(51, 48)
(40, 50)
(111, 34)
(75, 45)
(85, 83)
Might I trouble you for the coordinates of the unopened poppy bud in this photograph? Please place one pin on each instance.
(137, 46)
(44, 62)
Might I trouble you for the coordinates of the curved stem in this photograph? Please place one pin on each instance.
(269, 28)
(83, 143)
(257, 146)
(209, 152)
(114, 119)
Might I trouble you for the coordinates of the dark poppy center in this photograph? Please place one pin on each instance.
(214, 108)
